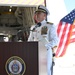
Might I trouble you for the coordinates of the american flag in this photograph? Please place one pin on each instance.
(66, 33)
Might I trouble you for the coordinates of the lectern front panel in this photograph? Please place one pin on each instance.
(17, 58)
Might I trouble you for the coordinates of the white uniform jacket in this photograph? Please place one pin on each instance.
(46, 36)
(47, 31)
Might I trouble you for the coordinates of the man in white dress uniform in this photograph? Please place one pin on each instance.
(46, 35)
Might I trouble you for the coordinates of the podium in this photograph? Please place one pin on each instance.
(19, 58)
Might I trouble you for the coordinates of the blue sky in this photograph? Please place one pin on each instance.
(70, 5)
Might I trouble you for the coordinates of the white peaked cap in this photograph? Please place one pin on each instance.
(43, 9)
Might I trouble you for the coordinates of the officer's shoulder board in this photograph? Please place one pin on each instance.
(50, 23)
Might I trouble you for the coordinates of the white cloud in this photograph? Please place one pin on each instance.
(57, 10)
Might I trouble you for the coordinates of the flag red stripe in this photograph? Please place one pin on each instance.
(63, 42)
(61, 37)
(73, 35)
(58, 31)
(59, 27)
(72, 40)
(67, 41)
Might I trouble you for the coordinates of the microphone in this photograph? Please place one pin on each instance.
(38, 25)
